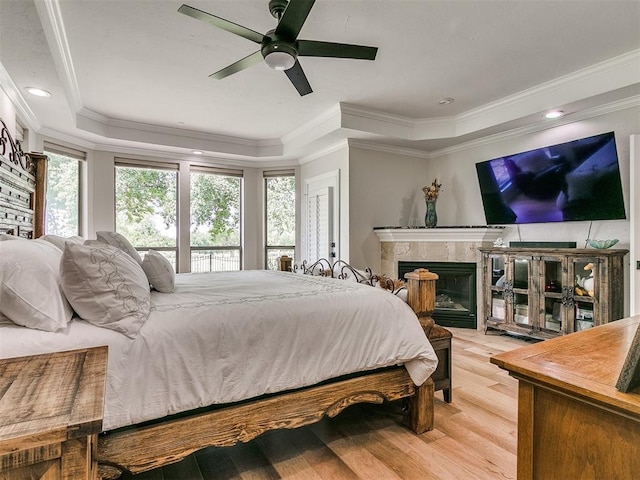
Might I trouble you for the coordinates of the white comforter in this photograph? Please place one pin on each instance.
(225, 337)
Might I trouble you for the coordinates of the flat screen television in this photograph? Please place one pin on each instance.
(578, 180)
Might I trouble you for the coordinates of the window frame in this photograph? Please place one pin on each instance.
(225, 172)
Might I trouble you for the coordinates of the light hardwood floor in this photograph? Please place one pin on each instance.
(474, 438)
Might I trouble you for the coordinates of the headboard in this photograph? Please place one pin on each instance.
(19, 190)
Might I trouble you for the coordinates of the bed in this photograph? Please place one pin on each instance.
(225, 356)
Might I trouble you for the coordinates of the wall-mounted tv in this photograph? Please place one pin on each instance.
(578, 180)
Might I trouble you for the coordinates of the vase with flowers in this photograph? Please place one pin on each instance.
(431, 193)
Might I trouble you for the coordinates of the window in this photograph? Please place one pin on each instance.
(62, 211)
(280, 217)
(215, 220)
(146, 206)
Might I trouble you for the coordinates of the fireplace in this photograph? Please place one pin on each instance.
(456, 304)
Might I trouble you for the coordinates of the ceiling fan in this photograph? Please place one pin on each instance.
(280, 47)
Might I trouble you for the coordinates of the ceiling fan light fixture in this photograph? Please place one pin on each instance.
(279, 56)
(280, 60)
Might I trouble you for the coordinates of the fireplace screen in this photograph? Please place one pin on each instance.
(455, 291)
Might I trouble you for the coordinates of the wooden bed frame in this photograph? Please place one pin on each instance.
(143, 447)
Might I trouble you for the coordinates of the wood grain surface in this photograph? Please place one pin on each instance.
(572, 421)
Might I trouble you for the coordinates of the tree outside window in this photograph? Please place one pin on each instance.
(146, 200)
(63, 195)
(215, 226)
(280, 218)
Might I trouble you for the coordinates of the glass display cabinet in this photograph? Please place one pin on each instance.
(546, 292)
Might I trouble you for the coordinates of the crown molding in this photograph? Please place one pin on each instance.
(618, 72)
(335, 147)
(20, 104)
(175, 137)
(54, 136)
(612, 74)
(321, 125)
(174, 155)
(585, 114)
(392, 149)
(53, 27)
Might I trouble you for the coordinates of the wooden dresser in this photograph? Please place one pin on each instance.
(572, 422)
(50, 414)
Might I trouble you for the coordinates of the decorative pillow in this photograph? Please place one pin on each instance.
(159, 271)
(117, 240)
(30, 291)
(105, 286)
(58, 241)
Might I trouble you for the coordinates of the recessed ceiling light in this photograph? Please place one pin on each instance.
(554, 114)
(38, 92)
(446, 101)
(197, 152)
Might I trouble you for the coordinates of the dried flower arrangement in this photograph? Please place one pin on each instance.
(432, 191)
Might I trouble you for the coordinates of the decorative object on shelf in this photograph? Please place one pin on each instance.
(552, 286)
(431, 193)
(499, 242)
(585, 285)
(601, 244)
(431, 216)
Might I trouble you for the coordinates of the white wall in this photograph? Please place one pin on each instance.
(385, 190)
(8, 113)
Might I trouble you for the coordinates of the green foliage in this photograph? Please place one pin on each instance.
(215, 205)
(281, 209)
(146, 205)
(62, 195)
(141, 192)
(146, 201)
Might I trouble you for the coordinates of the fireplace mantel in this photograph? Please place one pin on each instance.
(474, 234)
(455, 244)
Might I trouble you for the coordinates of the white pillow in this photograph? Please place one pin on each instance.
(159, 271)
(105, 286)
(5, 320)
(30, 291)
(117, 240)
(59, 241)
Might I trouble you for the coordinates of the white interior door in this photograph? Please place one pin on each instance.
(319, 226)
(321, 222)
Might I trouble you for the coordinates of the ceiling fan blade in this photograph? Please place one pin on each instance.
(299, 79)
(222, 23)
(312, 48)
(241, 64)
(293, 18)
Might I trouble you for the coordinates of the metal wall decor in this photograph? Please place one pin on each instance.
(15, 153)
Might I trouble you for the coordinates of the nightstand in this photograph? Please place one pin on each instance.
(440, 339)
(51, 410)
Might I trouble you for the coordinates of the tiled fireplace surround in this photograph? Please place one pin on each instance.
(440, 244)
